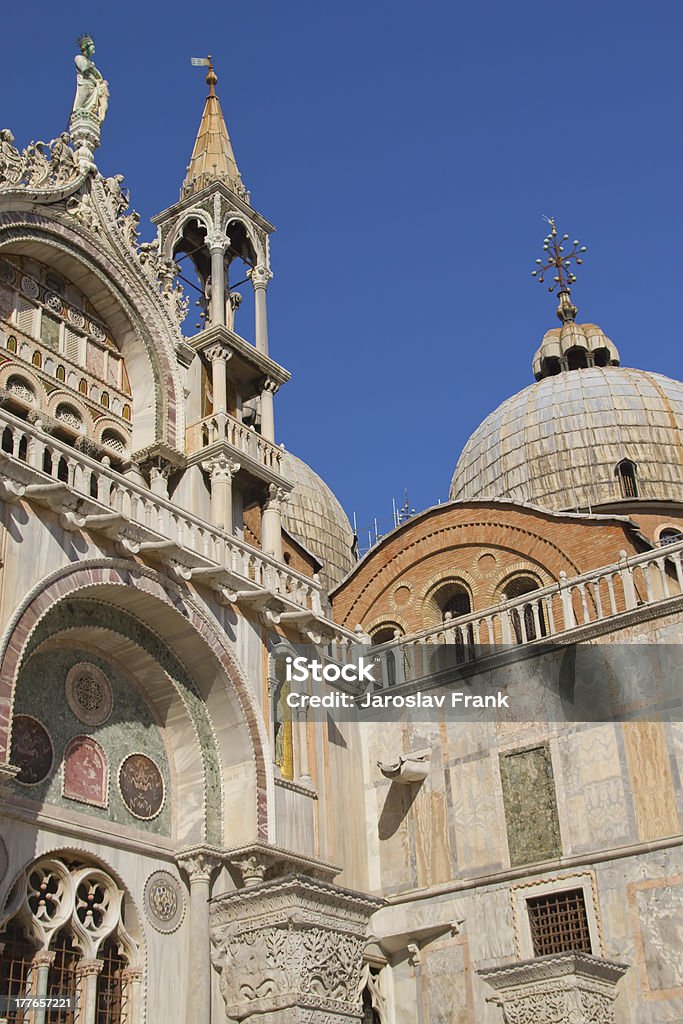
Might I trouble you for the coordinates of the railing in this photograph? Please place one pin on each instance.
(570, 604)
(147, 519)
(221, 426)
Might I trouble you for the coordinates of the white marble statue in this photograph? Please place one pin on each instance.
(92, 92)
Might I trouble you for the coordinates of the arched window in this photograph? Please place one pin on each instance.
(68, 414)
(71, 912)
(83, 386)
(385, 634)
(113, 440)
(61, 373)
(670, 536)
(626, 472)
(104, 399)
(126, 413)
(37, 359)
(577, 358)
(518, 586)
(12, 343)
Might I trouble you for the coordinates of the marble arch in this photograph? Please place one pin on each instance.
(194, 639)
(138, 329)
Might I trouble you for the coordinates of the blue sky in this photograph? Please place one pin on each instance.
(406, 153)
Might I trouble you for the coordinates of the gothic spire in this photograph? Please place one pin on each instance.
(212, 157)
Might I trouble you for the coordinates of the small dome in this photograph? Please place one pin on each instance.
(568, 441)
(314, 516)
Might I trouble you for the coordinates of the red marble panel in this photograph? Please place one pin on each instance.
(86, 775)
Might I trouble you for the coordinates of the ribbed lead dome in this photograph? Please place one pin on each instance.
(559, 443)
(315, 517)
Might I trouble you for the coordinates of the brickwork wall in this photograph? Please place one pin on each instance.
(481, 545)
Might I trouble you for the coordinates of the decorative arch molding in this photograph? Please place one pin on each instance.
(175, 234)
(521, 569)
(144, 339)
(254, 238)
(445, 537)
(132, 934)
(109, 581)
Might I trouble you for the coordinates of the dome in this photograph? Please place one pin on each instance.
(572, 439)
(314, 516)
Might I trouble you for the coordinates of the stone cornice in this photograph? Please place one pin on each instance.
(558, 965)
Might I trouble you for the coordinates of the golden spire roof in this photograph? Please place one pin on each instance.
(212, 157)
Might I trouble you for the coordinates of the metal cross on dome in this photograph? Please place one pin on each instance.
(558, 262)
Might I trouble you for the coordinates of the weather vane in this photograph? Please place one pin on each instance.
(558, 262)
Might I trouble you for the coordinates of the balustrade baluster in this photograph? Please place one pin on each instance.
(610, 591)
(661, 565)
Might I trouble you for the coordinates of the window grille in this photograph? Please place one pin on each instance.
(559, 923)
(16, 954)
(61, 981)
(110, 986)
(626, 471)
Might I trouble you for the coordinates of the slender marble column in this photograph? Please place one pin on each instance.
(132, 976)
(87, 972)
(270, 388)
(260, 276)
(219, 356)
(271, 522)
(199, 864)
(222, 470)
(217, 243)
(41, 964)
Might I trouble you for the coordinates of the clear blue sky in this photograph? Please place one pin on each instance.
(406, 152)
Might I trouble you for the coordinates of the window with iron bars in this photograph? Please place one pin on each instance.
(559, 923)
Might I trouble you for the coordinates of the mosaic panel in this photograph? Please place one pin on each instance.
(164, 901)
(31, 750)
(141, 785)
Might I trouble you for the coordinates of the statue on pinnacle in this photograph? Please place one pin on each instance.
(90, 103)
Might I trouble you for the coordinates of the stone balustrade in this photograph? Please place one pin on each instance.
(222, 426)
(570, 605)
(95, 496)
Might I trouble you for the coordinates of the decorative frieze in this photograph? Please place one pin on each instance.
(556, 989)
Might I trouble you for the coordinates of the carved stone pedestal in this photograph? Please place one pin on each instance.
(290, 951)
(567, 988)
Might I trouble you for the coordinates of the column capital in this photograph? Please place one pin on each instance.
(43, 958)
(219, 350)
(199, 862)
(260, 276)
(132, 974)
(277, 496)
(217, 241)
(87, 968)
(270, 385)
(222, 468)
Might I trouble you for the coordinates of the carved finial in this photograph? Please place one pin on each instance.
(559, 263)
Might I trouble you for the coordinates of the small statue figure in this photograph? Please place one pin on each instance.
(181, 303)
(231, 306)
(149, 256)
(118, 197)
(83, 210)
(63, 162)
(10, 159)
(92, 91)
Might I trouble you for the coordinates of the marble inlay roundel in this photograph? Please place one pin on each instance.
(141, 786)
(88, 694)
(164, 901)
(31, 750)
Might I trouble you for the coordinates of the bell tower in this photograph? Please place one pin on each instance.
(231, 433)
